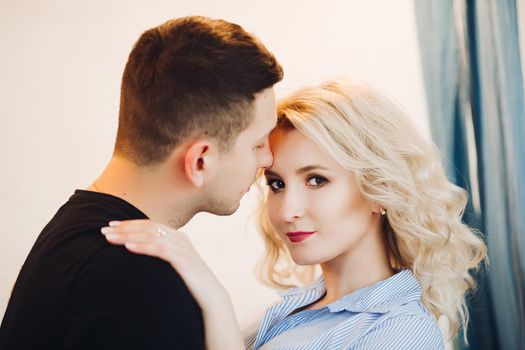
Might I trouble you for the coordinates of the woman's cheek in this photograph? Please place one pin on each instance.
(273, 211)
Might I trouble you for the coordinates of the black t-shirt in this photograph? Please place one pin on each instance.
(77, 291)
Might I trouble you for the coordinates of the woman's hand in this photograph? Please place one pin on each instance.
(149, 238)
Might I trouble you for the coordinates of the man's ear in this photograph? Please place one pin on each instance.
(197, 161)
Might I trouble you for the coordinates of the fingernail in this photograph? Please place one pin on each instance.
(114, 223)
(111, 236)
(131, 245)
(105, 230)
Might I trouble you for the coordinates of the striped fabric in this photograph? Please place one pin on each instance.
(385, 315)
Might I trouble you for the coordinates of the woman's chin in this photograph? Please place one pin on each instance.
(304, 260)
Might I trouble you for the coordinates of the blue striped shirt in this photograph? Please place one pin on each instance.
(386, 315)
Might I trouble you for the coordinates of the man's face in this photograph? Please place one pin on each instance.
(250, 152)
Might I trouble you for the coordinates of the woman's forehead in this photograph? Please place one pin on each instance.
(294, 152)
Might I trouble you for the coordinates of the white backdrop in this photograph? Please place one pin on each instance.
(61, 63)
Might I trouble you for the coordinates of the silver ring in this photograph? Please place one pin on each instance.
(161, 232)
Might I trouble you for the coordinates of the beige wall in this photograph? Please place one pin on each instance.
(60, 69)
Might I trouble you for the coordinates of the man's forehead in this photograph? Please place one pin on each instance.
(263, 124)
(265, 115)
(270, 124)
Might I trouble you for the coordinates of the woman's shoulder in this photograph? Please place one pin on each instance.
(408, 326)
(414, 308)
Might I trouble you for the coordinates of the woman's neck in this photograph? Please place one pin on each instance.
(356, 269)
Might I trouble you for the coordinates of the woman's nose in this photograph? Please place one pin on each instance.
(291, 207)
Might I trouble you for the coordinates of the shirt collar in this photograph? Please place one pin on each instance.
(380, 297)
(316, 288)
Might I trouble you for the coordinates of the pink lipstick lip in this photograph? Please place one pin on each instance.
(299, 236)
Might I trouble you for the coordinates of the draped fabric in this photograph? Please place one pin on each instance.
(474, 88)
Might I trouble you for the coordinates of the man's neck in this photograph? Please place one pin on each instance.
(145, 187)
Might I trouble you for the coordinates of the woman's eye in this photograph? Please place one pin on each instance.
(275, 185)
(259, 147)
(316, 181)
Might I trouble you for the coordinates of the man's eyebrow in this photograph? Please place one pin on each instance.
(265, 136)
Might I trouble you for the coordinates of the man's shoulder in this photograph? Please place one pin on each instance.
(119, 294)
(72, 246)
(118, 285)
(85, 210)
(116, 265)
(113, 268)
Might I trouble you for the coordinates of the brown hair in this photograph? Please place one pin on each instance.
(188, 77)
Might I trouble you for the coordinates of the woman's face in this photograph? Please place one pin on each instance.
(315, 204)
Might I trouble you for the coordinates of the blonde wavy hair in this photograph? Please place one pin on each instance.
(396, 168)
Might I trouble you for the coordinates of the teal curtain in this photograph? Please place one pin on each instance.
(474, 87)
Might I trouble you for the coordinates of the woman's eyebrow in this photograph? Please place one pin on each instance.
(270, 173)
(299, 171)
(308, 168)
